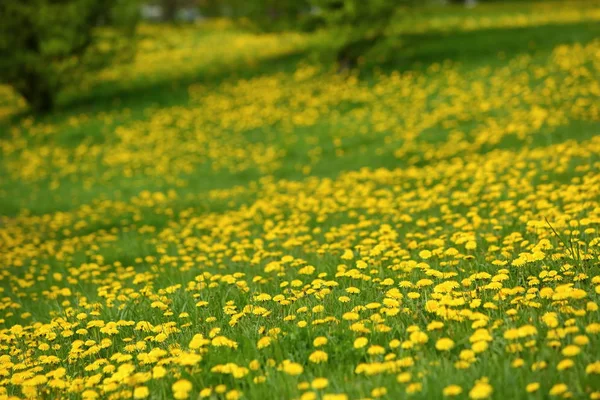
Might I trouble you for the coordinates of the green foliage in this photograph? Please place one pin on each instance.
(47, 44)
(266, 15)
(357, 25)
(370, 16)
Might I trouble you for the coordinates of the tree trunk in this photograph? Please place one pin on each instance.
(169, 9)
(33, 85)
(37, 93)
(348, 55)
(44, 102)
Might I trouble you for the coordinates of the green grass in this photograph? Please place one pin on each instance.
(181, 177)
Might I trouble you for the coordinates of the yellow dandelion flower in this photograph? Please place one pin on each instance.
(532, 387)
(181, 389)
(404, 377)
(571, 351)
(318, 357)
(419, 337)
(360, 342)
(319, 383)
(444, 344)
(308, 396)
(452, 390)
(292, 368)
(141, 392)
(375, 350)
(425, 254)
(263, 342)
(558, 389)
(481, 390)
(565, 364)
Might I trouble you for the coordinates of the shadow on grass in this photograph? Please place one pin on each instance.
(147, 93)
(483, 46)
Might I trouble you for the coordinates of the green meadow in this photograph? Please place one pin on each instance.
(228, 216)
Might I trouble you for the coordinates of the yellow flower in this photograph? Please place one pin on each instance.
(360, 342)
(220, 389)
(318, 357)
(89, 395)
(594, 327)
(452, 390)
(375, 350)
(481, 390)
(161, 337)
(350, 316)
(581, 340)
(593, 368)
(414, 387)
(419, 337)
(565, 364)
(532, 387)
(319, 383)
(263, 342)
(308, 396)
(320, 341)
(571, 351)
(198, 341)
(335, 396)
(181, 389)
(233, 395)
(254, 365)
(158, 372)
(348, 255)
(558, 389)
(188, 359)
(140, 392)
(292, 368)
(479, 347)
(425, 254)
(444, 344)
(539, 365)
(435, 325)
(518, 363)
(222, 341)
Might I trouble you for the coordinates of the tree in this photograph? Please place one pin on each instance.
(169, 9)
(47, 44)
(358, 25)
(267, 15)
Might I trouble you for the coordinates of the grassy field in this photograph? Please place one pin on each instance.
(227, 217)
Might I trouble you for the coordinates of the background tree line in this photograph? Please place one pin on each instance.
(47, 44)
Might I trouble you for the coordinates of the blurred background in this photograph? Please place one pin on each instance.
(103, 99)
(51, 48)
